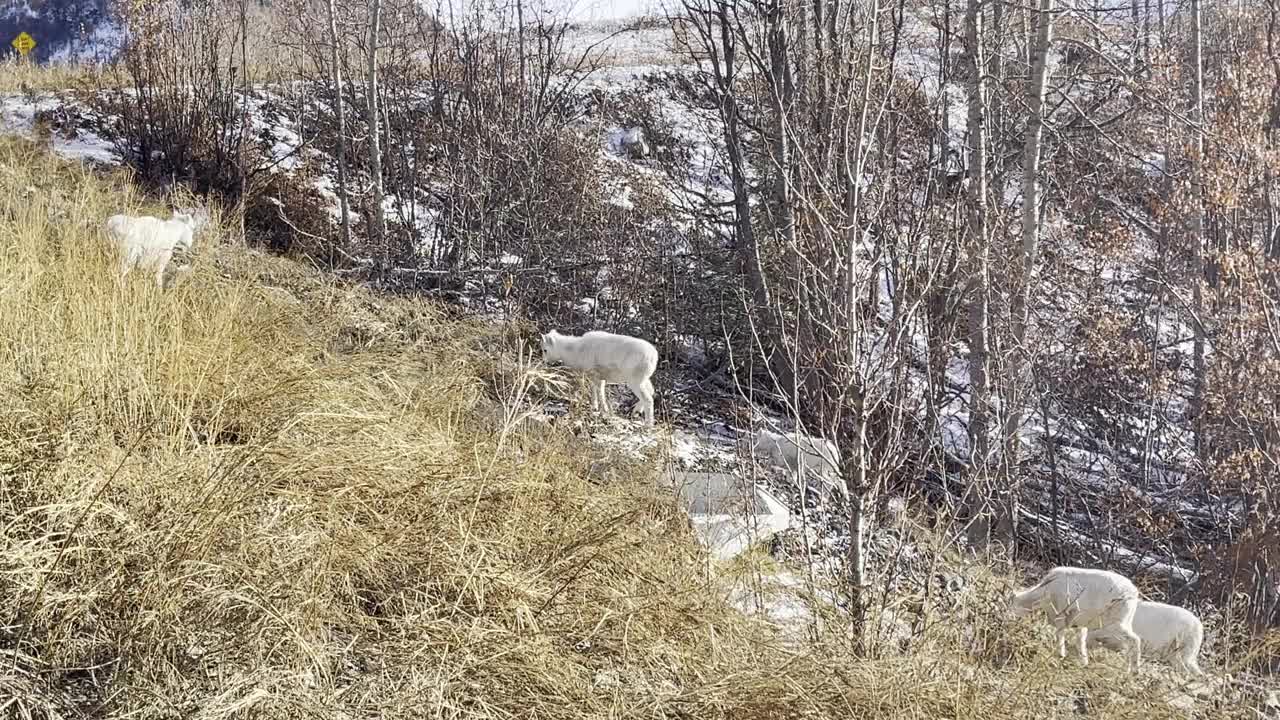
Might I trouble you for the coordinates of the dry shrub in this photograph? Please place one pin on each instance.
(287, 215)
(181, 116)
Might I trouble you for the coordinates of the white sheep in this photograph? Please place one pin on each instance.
(633, 142)
(794, 449)
(1168, 632)
(1087, 600)
(607, 358)
(151, 243)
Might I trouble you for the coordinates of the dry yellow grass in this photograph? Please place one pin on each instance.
(266, 495)
(18, 75)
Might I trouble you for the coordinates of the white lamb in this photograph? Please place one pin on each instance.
(791, 450)
(607, 358)
(1168, 632)
(1087, 600)
(151, 243)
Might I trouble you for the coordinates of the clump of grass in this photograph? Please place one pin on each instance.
(215, 506)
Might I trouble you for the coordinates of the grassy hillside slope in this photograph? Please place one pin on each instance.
(267, 495)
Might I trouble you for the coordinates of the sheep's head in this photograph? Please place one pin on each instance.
(116, 225)
(1021, 604)
(195, 218)
(763, 439)
(550, 351)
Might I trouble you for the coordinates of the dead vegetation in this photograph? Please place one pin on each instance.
(269, 495)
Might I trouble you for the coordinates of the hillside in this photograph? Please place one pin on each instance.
(328, 477)
(584, 265)
(268, 494)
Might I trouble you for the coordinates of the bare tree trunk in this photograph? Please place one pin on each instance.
(995, 117)
(780, 95)
(524, 73)
(1136, 59)
(244, 114)
(1028, 256)
(725, 70)
(858, 484)
(375, 142)
(979, 288)
(1272, 243)
(336, 77)
(1197, 229)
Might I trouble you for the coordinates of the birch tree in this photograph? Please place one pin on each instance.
(378, 234)
(1025, 262)
(335, 76)
(979, 289)
(1197, 227)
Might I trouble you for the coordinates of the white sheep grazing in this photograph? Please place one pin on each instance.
(1087, 600)
(791, 450)
(1168, 632)
(607, 358)
(150, 243)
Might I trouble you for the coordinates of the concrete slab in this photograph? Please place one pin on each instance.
(729, 513)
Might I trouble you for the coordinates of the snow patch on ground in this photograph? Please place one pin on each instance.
(18, 116)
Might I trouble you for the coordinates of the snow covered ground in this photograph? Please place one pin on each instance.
(18, 115)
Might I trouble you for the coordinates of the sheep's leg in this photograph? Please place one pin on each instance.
(1081, 650)
(644, 395)
(1062, 642)
(600, 399)
(1191, 665)
(595, 399)
(1135, 647)
(1185, 658)
(604, 398)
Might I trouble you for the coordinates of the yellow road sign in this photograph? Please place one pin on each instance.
(24, 43)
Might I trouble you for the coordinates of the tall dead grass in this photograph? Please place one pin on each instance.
(17, 75)
(265, 495)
